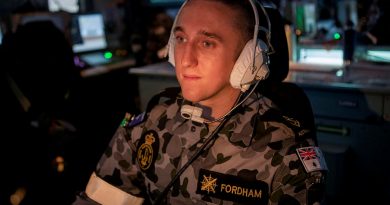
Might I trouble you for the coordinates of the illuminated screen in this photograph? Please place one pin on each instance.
(305, 17)
(1, 36)
(321, 56)
(71, 6)
(88, 33)
(165, 2)
(382, 56)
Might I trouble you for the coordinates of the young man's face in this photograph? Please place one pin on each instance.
(207, 45)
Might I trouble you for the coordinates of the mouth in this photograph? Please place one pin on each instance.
(191, 77)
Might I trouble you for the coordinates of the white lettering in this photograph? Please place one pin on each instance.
(241, 191)
(228, 188)
(250, 193)
(223, 187)
(258, 193)
(234, 189)
(245, 192)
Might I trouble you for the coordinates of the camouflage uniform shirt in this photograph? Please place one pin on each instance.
(253, 160)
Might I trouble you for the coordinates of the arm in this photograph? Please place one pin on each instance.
(373, 39)
(300, 179)
(116, 179)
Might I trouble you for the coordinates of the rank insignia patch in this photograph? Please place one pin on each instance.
(208, 184)
(312, 158)
(131, 120)
(232, 188)
(147, 150)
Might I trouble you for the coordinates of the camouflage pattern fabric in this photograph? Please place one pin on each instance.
(253, 161)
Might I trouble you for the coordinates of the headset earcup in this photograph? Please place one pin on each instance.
(171, 50)
(242, 64)
(242, 74)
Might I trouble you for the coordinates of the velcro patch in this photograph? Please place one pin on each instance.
(147, 150)
(312, 158)
(132, 120)
(232, 188)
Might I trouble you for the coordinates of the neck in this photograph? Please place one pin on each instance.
(220, 106)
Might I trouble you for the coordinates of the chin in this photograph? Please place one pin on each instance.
(191, 96)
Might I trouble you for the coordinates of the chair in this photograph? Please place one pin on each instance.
(289, 97)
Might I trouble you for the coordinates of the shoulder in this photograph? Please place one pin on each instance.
(291, 135)
(292, 123)
(157, 105)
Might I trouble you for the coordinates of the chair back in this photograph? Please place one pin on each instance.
(289, 97)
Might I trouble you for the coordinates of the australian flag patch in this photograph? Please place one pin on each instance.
(312, 158)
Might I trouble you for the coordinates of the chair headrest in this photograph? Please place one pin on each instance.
(279, 60)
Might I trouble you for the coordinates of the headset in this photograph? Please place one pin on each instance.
(250, 67)
(252, 63)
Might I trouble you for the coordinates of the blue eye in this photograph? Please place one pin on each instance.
(179, 39)
(207, 44)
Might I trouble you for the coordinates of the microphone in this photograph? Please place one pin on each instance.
(192, 113)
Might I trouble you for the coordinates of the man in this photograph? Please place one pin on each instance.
(214, 143)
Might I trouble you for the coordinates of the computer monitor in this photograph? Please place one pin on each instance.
(165, 2)
(305, 17)
(347, 10)
(378, 55)
(1, 35)
(71, 6)
(88, 33)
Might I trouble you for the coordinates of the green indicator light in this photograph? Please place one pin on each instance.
(108, 55)
(336, 36)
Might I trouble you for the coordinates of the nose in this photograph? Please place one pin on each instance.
(187, 55)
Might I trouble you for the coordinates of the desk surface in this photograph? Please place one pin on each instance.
(367, 77)
(164, 69)
(98, 70)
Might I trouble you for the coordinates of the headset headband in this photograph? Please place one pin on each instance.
(256, 26)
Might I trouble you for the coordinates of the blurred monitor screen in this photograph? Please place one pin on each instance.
(166, 2)
(71, 6)
(380, 56)
(347, 10)
(1, 35)
(172, 12)
(88, 32)
(332, 57)
(305, 17)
